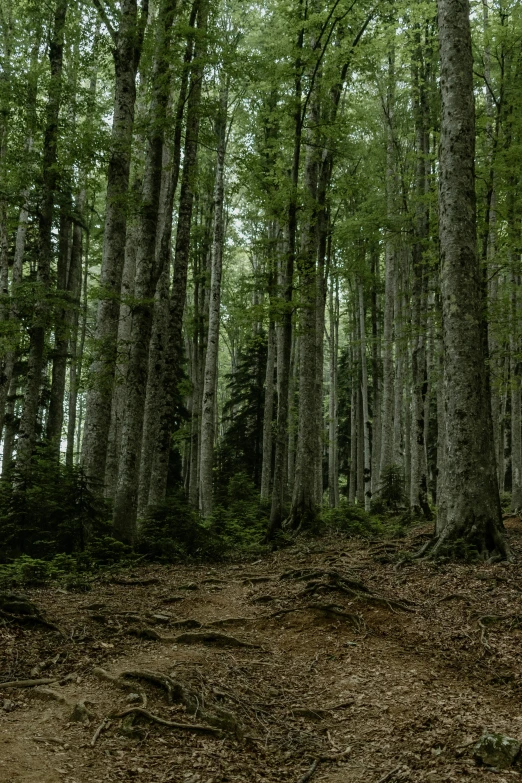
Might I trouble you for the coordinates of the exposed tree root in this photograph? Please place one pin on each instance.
(336, 582)
(28, 683)
(103, 725)
(329, 757)
(149, 580)
(48, 693)
(18, 608)
(212, 637)
(233, 621)
(389, 775)
(307, 775)
(331, 610)
(198, 728)
(177, 691)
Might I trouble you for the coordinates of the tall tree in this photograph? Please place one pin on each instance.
(470, 507)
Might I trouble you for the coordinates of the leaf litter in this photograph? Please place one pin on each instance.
(344, 666)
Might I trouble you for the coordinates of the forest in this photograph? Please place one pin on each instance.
(236, 258)
(260, 346)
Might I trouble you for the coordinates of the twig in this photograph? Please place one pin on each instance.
(105, 722)
(308, 775)
(336, 756)
(197, 727)
(389, 775)
(329, 757)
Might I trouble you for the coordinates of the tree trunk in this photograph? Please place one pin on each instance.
(126, 53)
(37, 331)
(268, 415)
(333, 459)
(470, 509)
(515, 387)
(158, 351)
(364, 401)
(287, 284)
(158, 484)
(74, 286)
(148, 273)
(419, 468)
(388, 392)
(61, 330)
(211, 360)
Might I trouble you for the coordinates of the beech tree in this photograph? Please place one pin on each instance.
(271, 251)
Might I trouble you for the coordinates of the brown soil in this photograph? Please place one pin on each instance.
(407, 676)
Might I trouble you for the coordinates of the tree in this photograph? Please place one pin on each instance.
(470, 508)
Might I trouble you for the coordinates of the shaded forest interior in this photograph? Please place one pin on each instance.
(260, 391)
(260, 270)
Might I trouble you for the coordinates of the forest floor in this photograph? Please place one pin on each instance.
(360, 666)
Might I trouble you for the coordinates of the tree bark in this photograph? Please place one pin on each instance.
(208, 411)
(126, 54)
(388, 395)
(364, 401)
(158, 484)
(148, 273)
(471, 507)
(37, 332)
(158, 352)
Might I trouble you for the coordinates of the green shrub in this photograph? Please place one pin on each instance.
(391, 493)
(352, 520)
(47, 511)
(174, 531)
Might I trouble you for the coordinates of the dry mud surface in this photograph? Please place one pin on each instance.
(358, 668)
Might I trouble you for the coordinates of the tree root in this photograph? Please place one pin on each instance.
(28, 683)
(389, 775)
(307, 775)
(355, 589)
(79, 713)
(329, 609)
(23, 619)
(212, 637)
(148, 580)
(103, 725)
(199, 728)
(177, 691)
(328, 757)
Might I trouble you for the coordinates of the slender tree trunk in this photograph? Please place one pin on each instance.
(398, 310)
(158, 351)
(352, 478)
(287, 283)
(471, 507)
(304, 497)
(37, 331)
(388, 391)
(360, 445)
(364, 401)
(333, 460)
(158, 485)
(74, 286)
(211, 360)
(61, 330)
(419, 468)
(126, 53)
(515, 385)
(268, 416)
(376, 376)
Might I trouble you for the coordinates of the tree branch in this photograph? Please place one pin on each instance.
(105, 19)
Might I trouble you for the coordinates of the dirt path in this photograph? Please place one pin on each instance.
(405, 666)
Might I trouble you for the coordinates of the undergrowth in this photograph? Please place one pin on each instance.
(53, 527)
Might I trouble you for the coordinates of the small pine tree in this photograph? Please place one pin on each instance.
(392, 488)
